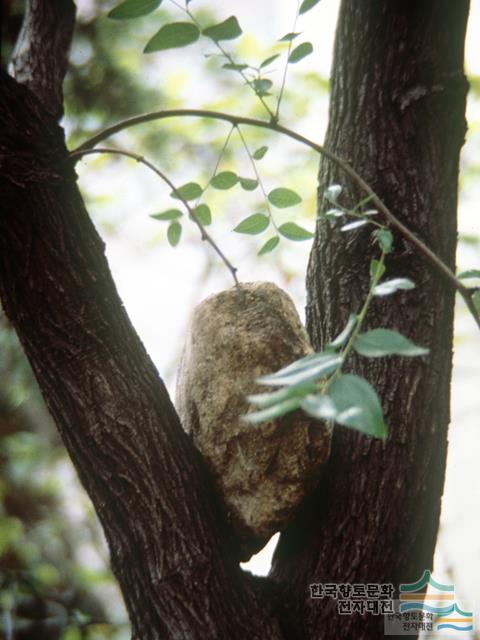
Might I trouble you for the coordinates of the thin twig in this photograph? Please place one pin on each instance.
(257, 175)
(219, 159)
(228, 57)
(465, 292)
(78, 153)
(248, 82)
(285, 71)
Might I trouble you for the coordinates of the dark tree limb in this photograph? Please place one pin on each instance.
(39, 60)
(174, 559)
(397, 116)
(170, 552)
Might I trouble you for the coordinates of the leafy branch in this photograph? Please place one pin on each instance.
(316, 382)
(229, 29)
(181, 34)
(219, 160)
(467, 293)
(261, 223)
(180, 193)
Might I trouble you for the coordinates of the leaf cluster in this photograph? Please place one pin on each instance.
(316, 383)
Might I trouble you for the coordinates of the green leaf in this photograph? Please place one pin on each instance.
(224, 180)
(303, 363)
(307, 5)
(188, 191)
(264, 400)
(235, 67)
(254, 224)
(332, 214)
(203, 214)
(471, 273)
(390, 286)
(376, 269)
(269, 60)
(354, 225)
(345, 333)
(261, 86)
(319, 406)
(269, 245)
(332, 193)
(476, 300)
(300, 52)
(358, 405)
(276, 411)
(318, 366)
(385, 239)
(283, 198)
(174, 233)
(169, 214)
(293, 231)
(249, 184)
(260, 152)
(288, 37)
(173, 36)
(133, 9)
(226, 30)
(385, 342)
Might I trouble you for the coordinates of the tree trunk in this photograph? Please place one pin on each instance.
(397, 115)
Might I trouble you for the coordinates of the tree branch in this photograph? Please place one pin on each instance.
(39, 60)
(423, 249)
(203, 232)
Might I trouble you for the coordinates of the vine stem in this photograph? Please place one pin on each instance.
(359, 321)
(364, 310)
(429, 255)
(78, 153)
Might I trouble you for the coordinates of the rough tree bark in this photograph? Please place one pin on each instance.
(397, 114)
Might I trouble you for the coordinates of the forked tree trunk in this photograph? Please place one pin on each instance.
(397, 115)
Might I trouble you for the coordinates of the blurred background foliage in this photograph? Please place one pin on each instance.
(54, 576)
(54, 579)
